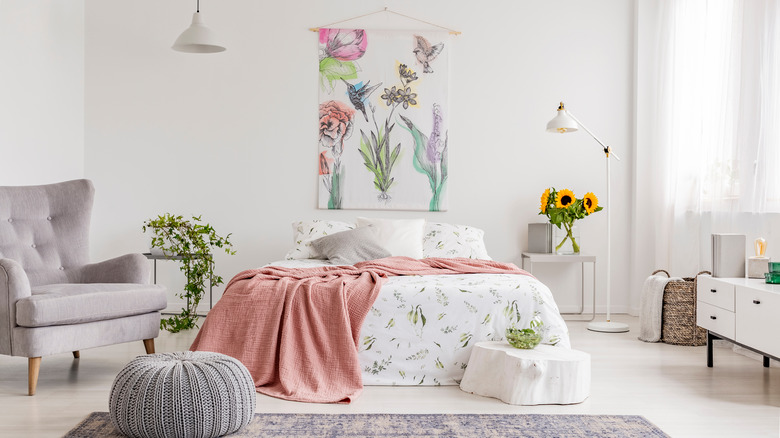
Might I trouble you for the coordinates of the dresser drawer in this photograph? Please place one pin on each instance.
(715, 319)
(758, 319)
(716, 292)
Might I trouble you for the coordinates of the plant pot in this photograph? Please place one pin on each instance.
(156, 251)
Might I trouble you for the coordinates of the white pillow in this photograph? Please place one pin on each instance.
(306, 231)
(448, 240)
(402, 237)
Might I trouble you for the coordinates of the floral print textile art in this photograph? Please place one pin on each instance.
(383, 121)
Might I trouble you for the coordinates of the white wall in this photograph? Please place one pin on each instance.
(232, 136)
(41, 91)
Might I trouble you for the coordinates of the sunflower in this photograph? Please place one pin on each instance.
(590, 202)
(565, 198)
(545, 200)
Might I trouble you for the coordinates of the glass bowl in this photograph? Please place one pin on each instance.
(522, 338)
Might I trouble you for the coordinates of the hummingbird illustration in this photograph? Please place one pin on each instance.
(358, 93)
(426, 53)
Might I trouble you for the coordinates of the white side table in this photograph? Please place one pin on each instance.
(156, 257)
(534, 257)
(542, 376)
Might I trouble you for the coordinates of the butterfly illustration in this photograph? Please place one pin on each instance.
(358, 94)
(426, 53)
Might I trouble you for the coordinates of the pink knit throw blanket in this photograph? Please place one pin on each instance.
(297, 330)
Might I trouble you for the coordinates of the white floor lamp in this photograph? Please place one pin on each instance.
(565, 122)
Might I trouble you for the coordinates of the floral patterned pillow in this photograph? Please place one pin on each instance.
(448, 240)
(306, 231)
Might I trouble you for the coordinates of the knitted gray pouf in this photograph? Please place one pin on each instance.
(185, 394)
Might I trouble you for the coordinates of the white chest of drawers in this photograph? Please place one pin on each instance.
(740, 310)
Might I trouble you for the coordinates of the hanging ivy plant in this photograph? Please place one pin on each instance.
(194, 242)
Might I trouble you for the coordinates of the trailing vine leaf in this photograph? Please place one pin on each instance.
(194, 243)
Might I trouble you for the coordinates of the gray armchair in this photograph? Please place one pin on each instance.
(51, 299)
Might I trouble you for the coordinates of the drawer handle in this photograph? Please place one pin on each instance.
(713, 290)
(713, 317)
(756, 302)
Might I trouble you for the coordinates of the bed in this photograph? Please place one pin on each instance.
(421, 329)
(413, 296)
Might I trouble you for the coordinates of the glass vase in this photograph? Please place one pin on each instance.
(565, 242)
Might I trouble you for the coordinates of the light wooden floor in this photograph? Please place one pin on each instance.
(669, 385)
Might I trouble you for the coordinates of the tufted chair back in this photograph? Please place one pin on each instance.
(46, 229)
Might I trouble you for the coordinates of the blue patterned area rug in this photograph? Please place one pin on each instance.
(98, 424)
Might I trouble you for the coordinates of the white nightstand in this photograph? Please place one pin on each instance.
(534, 257)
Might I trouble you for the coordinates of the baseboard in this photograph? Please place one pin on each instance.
(599, 309)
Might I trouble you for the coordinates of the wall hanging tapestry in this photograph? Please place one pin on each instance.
(383, 117)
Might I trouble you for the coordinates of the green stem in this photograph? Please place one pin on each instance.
(334, 202)
(558, 247)
(574, 245)
(434, 204)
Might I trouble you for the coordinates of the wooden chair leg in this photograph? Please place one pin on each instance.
(149, 345)
(33, 366)
(76, 354)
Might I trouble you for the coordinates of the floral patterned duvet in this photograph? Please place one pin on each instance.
(421, 329)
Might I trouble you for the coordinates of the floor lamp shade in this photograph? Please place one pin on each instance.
(197, 38)
(564, 122)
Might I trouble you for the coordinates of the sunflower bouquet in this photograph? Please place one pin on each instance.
(563, 208)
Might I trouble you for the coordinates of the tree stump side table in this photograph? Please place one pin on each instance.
(541, 376)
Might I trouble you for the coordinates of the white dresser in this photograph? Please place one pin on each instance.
(741, 310)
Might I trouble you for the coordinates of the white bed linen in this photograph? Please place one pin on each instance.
(421, 329)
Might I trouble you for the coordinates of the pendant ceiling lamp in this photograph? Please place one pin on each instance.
(197, 38)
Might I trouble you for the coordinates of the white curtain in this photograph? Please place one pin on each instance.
(708, 130)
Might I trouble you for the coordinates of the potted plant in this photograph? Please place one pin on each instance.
(191, 242)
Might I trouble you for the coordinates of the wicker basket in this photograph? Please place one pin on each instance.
(678, 318)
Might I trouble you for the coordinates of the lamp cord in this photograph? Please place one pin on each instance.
(197, 6)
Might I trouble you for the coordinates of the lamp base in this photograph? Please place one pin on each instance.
(608, 327)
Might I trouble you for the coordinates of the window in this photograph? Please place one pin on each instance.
(721, 81)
